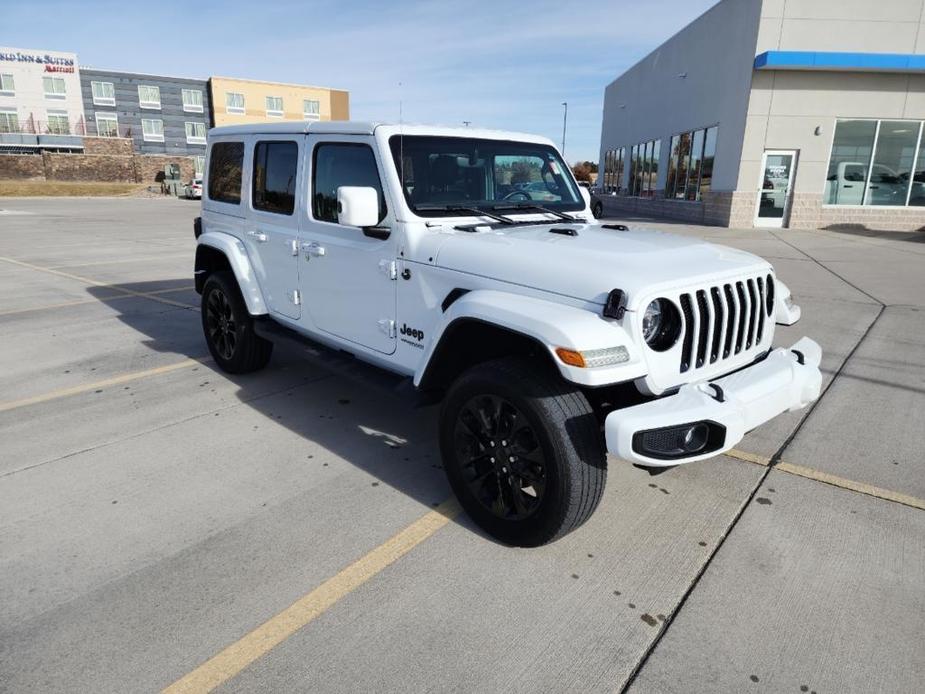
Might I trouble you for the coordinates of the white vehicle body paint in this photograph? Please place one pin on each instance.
(389, 294)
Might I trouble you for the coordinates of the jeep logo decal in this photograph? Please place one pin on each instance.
(412, 332)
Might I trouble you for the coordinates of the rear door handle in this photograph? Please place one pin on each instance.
(313, 249)
(259, 236)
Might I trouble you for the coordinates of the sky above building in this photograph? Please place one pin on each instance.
(496, 64)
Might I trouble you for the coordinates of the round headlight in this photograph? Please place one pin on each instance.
(661, 325)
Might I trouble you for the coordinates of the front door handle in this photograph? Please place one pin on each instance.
(259, 236)
(313, 249)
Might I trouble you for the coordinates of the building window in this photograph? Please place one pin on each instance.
(876, 163)
(149, 97)
(613, 170)
(104, 93)
(274, 106)
(58, 123)
(690, 164)
(275, 166)
(644, 168)
(9, 120)
(195, 133)
(199, 165)
(341, 164)
(107, 124)
(226, 161)
(7, 86)
(192, 100)
(311, 109)
(152, 129)
(234, 102)
(54, 87)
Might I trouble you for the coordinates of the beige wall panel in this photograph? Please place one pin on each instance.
(772, 8)
(759, 101)
(848, 35)
(755, 135)
(786, 132)
(855, 95)
(810, 176)
(769, 32)
(861, 10)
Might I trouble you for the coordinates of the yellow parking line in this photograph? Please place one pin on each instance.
(95, 300)
(130, 259)
(834, 480)
(97, 283)
(114, 381)
(233, 659)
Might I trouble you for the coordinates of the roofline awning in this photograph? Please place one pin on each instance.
(840, 62)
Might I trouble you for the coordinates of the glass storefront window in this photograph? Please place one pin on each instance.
(706, 167)
(684, 153)
(876, 163)
(891, 171)
(693, 179)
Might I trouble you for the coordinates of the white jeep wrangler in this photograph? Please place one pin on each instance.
(467, 263)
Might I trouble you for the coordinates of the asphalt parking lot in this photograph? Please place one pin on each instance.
(162, 523)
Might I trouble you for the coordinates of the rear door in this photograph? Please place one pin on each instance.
(271, 233)
(348, 274)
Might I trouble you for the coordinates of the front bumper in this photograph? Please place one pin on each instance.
(787, 380)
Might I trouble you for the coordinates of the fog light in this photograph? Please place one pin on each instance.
(681, 441)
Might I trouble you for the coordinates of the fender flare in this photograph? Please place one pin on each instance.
(546, 323)
(236, 253)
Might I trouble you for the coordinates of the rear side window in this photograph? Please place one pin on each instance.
(275, 168)
(340, 164)
(225, 164)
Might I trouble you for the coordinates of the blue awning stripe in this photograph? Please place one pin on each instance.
(821, 60)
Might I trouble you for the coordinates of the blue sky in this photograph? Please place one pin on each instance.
(498, 64)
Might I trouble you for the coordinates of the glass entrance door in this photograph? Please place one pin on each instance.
(776, 182)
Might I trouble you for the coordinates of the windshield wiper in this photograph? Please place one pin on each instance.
(461, 208)
(538, 208)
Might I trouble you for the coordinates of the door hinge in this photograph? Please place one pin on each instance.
(294, 246)
(389, 268)
(295, 297)
(388, 327)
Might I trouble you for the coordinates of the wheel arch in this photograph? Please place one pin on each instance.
(217, 251)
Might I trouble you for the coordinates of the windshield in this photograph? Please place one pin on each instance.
(442, 175)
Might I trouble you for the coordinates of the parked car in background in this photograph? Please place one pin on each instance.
(597, 205)
(194, 189)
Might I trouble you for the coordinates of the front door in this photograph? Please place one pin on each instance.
(777, 169)
(271, 232)
(347, 274)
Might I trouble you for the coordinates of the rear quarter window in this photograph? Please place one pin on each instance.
(226, 161)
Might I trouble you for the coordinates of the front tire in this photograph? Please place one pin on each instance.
(522, 450)
(229, 328)
(597, 209)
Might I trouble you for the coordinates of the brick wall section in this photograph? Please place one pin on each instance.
(108, 145)
(149, 168)
(22, 167)
(88, 167)
(808, 212)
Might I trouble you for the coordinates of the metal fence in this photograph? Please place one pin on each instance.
(62, 126)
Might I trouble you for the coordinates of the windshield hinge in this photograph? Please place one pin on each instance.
(389, 268)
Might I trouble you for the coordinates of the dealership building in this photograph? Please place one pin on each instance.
(775, 113)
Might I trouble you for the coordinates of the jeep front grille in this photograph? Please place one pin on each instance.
(723, 321)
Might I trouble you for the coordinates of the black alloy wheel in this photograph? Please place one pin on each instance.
(220, 323)
(502, 461)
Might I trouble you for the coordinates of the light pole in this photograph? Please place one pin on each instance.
(564, 121)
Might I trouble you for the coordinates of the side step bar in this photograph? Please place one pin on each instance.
(342, 363)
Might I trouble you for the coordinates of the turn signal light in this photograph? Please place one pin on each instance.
(571, 357)
(609, 356)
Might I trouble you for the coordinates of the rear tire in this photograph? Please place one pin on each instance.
(522, 450)
(229, 328)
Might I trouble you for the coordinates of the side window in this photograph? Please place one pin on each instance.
(225, 163)
(341, 164)
(275, 167)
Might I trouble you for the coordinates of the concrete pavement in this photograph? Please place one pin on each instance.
(148, 523)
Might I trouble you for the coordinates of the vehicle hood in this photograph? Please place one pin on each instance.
(596, 260)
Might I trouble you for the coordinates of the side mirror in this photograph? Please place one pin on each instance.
(357, 207)
(586, 196)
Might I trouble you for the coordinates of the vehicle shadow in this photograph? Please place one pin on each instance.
(363, 422)
(861, 230)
